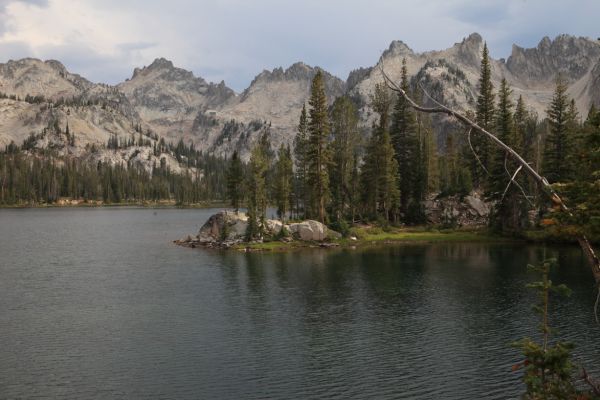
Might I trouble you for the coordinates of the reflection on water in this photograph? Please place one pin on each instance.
(99, 303)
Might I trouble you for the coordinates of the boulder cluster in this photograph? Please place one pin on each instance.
(227, 228)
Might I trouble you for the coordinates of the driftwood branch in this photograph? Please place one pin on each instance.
(542, 182)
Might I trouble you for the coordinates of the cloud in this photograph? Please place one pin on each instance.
(233, 40)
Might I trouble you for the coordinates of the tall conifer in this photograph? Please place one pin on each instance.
(485, 118)
(318, 152)
(558, 144)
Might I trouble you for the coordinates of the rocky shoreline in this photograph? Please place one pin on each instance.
(227, 229)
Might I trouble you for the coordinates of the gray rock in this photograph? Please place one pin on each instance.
(478, 205)
(309, 230)
(224, 226)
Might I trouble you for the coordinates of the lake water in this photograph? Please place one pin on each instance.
(99, 303)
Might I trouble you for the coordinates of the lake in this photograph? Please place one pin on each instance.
(99, 303)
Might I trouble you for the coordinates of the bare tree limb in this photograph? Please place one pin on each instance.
(475, 153)
(542, 182)
(516, 183)
(512, 181)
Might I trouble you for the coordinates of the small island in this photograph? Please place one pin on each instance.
(229, 230)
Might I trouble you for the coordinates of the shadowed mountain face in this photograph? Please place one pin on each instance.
(175, 104)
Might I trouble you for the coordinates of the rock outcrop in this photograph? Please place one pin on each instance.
(309, 230)
(227, 228)
(472, 210)
(176, 104)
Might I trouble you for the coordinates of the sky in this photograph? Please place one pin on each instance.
(234, 40)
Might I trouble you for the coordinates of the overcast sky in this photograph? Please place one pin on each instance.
(234, 40)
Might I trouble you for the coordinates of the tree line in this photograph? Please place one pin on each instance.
(337, 173)
(30, 176)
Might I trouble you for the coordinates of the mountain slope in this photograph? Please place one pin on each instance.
(175, 104)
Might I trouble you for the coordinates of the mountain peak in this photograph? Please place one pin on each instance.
(470, 49)
(473, 38)
(296, 71)
(568, 55)
(158, 64)
(397, 48)
(161, 63)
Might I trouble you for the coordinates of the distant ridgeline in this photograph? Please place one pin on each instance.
(134, 171)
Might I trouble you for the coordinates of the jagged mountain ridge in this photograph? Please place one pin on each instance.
(176, 104)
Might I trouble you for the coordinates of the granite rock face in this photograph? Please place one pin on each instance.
(309, 230)
(175, 104)
(224, 226)
(472, 210)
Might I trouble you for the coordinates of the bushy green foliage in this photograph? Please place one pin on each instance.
(548, 367)
(235, 179)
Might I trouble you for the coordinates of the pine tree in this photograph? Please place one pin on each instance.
(484, 118)
(558, 143)
(431, 156)
(283, 181)
(344, 149)
(509, 211)
(318, 152)
(403, 132)
(257, 192)
(388, 177)
(421, 161)
(504, 128)
(301, 154)
(379, 173)
(592, 145)
(521, 142)
(235, 179)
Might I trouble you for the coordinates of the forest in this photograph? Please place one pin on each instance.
(30, 176)
(338, 176)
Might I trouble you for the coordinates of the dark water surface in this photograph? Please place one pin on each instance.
(99, 304)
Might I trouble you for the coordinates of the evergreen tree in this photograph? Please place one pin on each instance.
(559, 140)
(388, 177)
(504, 128)
(431, 156)
(509, 211)
(379, 173)
(421, 161)
(521, 142)
(318, 152)
(301, 147)
(484, 118)
(344, 149)
(455, 178)
(283, 181)
(592, 145)
(235, 179)
(404, 132)
(257, 192)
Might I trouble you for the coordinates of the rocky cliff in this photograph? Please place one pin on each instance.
(175, 104)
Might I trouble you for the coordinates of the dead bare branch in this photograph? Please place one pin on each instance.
(512, 181)
(516, 183)
(475, 153)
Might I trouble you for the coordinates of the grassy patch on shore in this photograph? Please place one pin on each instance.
(365, 236)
